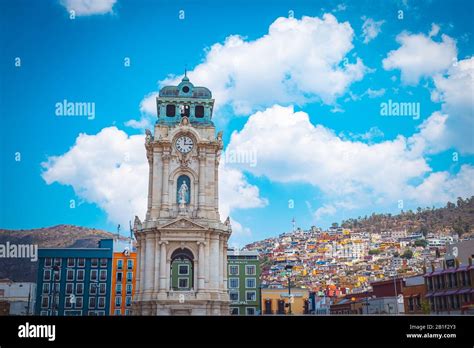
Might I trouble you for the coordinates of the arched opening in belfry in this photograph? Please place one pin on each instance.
(182, 270)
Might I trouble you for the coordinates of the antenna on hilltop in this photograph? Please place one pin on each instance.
(294, 224)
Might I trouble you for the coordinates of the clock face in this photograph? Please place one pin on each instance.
(184, 144)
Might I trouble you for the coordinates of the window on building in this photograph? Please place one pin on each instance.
(128, 301)
(103, 275)
(250, 310)
(93, 288)
(183, 283)
(45, 288)
(268, 306)
(56, 287)
(78, 302)
(119, 264)
(250, 283)
(57, 261)
(69, 288)
(119, 276)
(80, 288)
(129, 264)
(183, 269)
(101, 302)
(93, 276)
(234, 310)
(118, 301)
(118, 289)
(48, 262)
(234, 270)
(102, 288)
(67, 302)
(117, 312)
(94, 262)
(44, 301)
(71, 262)
(57, 275)
(80, 275)
(199, 111)
(129, 288)
(170, 110)
(81, 262)
(92, 302)
(250, 270)
(47, 275)
(251, 295)
(281, 307)
(234, 296)
(127, 312)
(233, 283)
(129, 277)
(70, 275)
(103, 263)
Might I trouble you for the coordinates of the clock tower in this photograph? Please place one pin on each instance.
(182, 243)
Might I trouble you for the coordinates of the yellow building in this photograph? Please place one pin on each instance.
(276, 301)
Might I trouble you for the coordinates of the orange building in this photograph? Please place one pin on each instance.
(124, 265)
(276, 301)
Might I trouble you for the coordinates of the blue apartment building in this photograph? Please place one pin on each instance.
(74, 281)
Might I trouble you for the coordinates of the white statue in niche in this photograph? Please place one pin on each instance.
(182, 194)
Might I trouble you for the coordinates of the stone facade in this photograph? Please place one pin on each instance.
(175, 227)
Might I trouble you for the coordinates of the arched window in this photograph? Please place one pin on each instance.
(170, 110)
(183, 189)
(182, 270)
(199, 111)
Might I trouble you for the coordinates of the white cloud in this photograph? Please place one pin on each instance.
(325, 210)
(455, 90)
(434, 30)
(298, 61)
(419, 56)
(235, 192)
(89, 7)
(340, 8)
(110, 169)
(371, 29)
(453, 125)
(443, 187)
(291, 149)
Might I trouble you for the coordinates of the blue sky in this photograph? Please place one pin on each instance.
(304, 94)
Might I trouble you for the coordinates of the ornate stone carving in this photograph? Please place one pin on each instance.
(137, 224)
(181, 224)
(148, 136)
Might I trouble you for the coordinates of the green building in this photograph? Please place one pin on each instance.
(243, 273)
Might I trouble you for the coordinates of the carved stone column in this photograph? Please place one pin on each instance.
(201, 270)
(214, 258)
(163, 266)
(165, 182)
(142, 264)
(157, 254)
(202, 182)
